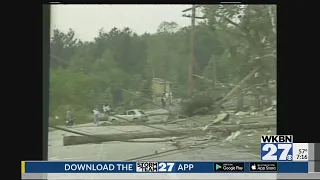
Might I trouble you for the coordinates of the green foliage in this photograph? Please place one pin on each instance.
(85, 75)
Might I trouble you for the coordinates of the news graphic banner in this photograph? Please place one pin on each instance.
(162, 167)
(282, 148)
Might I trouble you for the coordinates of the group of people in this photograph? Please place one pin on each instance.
(70, 121)
(166, 99)
(106, 110)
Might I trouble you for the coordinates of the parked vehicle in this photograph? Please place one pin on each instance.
(134, 115)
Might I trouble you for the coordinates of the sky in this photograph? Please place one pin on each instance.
(86, 20)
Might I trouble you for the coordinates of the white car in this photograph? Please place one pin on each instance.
(131, 115)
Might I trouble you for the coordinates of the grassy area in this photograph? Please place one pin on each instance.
(80, 115)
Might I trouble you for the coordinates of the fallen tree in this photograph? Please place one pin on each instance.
(206, 105)
(98, 138)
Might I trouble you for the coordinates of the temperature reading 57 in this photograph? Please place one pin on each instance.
(302, 151)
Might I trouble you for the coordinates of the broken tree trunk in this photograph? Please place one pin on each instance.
(75, 140)
(241, 83)
(158, 114)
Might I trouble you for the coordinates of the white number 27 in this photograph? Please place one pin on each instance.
(272, 149)
(163, 167)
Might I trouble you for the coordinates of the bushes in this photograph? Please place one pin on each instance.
(80, 114)
(197, 105)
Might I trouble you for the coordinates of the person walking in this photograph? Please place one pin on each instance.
(96, 116)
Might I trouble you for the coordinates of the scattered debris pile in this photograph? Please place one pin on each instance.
(248, 127)
(225, 126)
(199, 105)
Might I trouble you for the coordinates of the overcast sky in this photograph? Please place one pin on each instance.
(86, 20)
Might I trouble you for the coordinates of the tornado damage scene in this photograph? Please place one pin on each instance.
(161, 82)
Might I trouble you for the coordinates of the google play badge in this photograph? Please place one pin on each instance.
(217, 167)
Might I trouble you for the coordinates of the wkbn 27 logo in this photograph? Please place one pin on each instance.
(276, 148)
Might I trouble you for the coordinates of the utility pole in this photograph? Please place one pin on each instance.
(214, 72)
(192, 56)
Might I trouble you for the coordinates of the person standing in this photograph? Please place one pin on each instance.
(166, 95)
(106, 110)
(96, 116)
(167, 99)
(163, 101)
(170, 98)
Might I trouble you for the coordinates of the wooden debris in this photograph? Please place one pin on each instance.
(74, 140)
(238, 87)
(269, 109)
(233, 136)
(221, 117)
(241, 113)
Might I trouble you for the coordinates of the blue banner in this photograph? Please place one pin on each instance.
(163, 167)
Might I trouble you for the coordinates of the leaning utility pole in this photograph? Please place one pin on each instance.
(192, 56)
